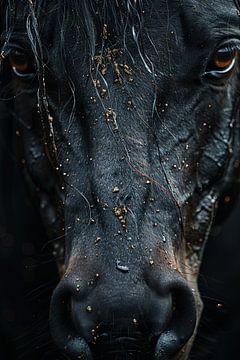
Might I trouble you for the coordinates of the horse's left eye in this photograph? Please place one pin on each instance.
(222, 64)
(20, 64)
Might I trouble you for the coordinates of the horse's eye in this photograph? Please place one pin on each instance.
(224, 59)
(222, 64)
(20, 64)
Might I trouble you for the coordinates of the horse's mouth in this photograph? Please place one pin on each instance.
(130, 348)
(124, 347)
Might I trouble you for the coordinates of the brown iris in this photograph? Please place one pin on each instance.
(224, 58)
(19, 62)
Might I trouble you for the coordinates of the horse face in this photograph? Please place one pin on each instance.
(128, 116)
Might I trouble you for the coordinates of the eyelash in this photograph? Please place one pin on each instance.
(232, 47)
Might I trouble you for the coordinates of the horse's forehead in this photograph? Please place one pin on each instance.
(107, 10)
(92, 18)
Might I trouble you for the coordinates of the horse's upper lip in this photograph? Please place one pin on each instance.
(123, 340)
(124, 347)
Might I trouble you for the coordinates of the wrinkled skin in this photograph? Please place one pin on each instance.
(128, 154)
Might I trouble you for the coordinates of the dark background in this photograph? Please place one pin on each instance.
(28, 273)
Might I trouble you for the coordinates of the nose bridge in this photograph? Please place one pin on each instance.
(125, 193)
(118, 184)
(120, 161)
(127, 176)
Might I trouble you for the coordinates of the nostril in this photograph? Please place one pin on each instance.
(84, 318)
(182, 323)
(62, 325)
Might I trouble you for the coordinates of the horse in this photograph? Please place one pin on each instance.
(128, 116)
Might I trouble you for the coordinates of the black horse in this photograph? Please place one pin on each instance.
(128, 117)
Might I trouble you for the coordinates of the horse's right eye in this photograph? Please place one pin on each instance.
(224, 59)
(20, 64)
(222, 64)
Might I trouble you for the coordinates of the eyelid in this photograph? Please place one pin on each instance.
(227, 45)
(22, 75)
(18, 44)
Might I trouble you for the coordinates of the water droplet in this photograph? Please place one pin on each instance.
(98, 239)
(89, 309)
(122, 268)
(115, 189)
(135, 322)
